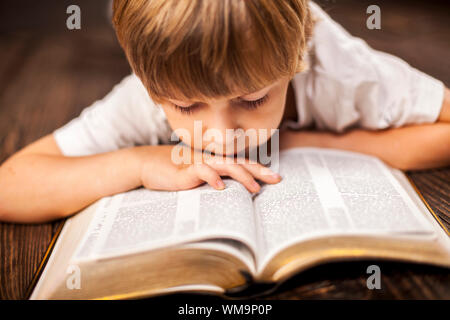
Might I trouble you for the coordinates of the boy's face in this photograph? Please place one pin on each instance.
(261, 111)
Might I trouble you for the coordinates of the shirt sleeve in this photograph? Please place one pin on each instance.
(350, 84)
(123, 118)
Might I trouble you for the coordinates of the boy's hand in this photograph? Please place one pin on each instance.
(160, 172)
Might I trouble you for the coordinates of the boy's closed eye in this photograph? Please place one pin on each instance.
(240, 102)
(248, 101)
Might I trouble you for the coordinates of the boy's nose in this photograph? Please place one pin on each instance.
(220, 123)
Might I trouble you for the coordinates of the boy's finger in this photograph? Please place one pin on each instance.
(209, 175)
(262, 173)
(238, 173)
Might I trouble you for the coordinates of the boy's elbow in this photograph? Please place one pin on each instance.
(20, 216)
(404, 164)
(3, 216)
(6, 211)
(414, 163)
(13, 210)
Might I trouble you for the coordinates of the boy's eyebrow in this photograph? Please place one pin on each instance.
(248, 96)
(264, 90)
(256, 94)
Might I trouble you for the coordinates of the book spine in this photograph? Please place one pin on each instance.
(44, 260)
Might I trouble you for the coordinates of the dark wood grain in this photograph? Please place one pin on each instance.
(49, 74)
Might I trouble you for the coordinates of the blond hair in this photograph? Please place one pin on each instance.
(196, 49)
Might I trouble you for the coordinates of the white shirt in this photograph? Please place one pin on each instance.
(348, 84)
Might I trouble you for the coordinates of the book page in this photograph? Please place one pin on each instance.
(143, 219)
(326, 192)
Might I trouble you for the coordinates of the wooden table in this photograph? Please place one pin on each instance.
(49, 74)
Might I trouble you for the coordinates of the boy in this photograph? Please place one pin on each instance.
(231, 64)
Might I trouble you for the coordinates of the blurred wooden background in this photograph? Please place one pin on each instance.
(48, 74)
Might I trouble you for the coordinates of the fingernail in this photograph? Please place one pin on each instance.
(255, 186)
(276, 176)
(220, 184)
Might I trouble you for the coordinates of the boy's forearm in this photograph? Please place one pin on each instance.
(407, 148)
(35, 188)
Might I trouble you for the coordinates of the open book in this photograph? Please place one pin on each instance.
(331, 205)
